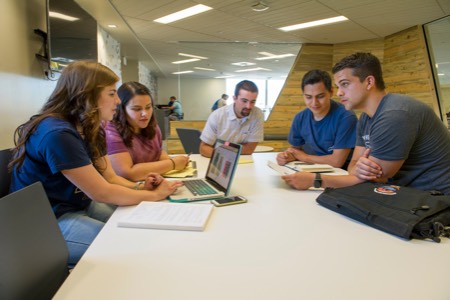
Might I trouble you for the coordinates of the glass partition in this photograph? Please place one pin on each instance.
(220, 67)
(438, 39)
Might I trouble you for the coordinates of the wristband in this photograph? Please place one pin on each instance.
(173, 164)
(136, 186)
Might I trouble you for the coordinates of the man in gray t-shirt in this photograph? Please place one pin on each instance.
(404, 129)
(399, 139)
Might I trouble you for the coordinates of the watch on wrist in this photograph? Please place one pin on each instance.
(318, 181)
(138, 184)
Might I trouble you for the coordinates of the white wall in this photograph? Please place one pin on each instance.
(108, 52)
(23, 85)
(196, 95)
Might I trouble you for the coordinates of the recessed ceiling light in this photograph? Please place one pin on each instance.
(112, 26)
(182, 72)
(243, 64)
(441, 74)
(260, 6)
(193, 56)
(188, 12)
(313, 23)
(62, 16)
(185, 61)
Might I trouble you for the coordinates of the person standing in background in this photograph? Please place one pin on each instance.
(220, 102)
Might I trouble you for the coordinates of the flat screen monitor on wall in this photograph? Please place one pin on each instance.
(72, 33)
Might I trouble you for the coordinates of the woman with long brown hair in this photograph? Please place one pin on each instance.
(134, 139)
(64, 147)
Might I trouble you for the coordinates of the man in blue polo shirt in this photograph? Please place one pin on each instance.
(325, 131)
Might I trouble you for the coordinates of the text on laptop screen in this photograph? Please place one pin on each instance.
(222, 163)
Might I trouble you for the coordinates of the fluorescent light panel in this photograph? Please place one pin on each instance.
(185, 61)
(313, 23)
(274, 56)
(205, 69)
(254, 69)
(58, 15)
(193, 56)
(182, 72)
(188, 12)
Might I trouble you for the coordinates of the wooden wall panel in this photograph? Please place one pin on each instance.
(374, 46)
(290, 101)
(407, 68)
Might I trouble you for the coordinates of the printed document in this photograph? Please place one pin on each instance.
(163, 215)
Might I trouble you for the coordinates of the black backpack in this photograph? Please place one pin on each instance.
(403, 211)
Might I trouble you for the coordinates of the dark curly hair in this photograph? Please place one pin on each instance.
(75, 100)
(362, 65)
(126, 92)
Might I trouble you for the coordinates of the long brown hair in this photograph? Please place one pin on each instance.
(75, 100)
(126, 92)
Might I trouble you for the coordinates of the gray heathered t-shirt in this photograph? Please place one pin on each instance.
(406, 129)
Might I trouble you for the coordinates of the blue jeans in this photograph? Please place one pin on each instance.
(80, 228)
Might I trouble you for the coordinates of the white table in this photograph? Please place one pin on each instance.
(280, 245)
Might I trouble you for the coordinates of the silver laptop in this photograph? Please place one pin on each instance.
(219, 176)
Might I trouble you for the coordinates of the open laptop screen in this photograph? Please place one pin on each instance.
(223, 164)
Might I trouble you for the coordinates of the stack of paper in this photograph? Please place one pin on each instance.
(163, 215)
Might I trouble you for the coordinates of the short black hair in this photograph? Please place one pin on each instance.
(316, 76)
(362, 65)
(245, 85)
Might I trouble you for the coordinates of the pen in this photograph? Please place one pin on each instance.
(292, 168)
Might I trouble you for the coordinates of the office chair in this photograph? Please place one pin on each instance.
(33, 252)
(190, 139)
(5, 176)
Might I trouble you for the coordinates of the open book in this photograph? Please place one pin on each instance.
(163, 215)
(312, 168)
(189, 171)
(293, 167)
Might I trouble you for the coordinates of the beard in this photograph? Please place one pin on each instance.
(245, 112)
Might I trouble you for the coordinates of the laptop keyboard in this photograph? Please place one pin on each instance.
(199, 187)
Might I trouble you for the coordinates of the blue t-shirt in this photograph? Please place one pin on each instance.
(177, 109)
(337, 130)
(53, 147)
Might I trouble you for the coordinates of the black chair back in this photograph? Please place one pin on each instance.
(33, 252)
(5, 176)
(190, 139)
